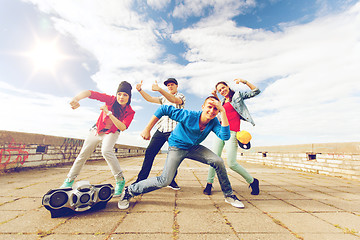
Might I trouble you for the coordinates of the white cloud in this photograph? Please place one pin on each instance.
(118, 37)
(316, 64)
(50, 115)
(158, 4)
(42, 113)
(314, 67)
(223, 9)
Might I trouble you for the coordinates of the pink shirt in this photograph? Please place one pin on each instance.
(232, 116)
(126, 117)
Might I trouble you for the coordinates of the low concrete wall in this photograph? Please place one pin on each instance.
(25, 150)
(334, 159)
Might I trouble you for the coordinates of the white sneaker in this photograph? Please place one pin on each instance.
(174, 186)
(124, 201)
(233, 200)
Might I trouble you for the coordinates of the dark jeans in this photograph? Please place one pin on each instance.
(157, 141)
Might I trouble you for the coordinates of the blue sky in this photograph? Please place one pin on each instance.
(304, 55)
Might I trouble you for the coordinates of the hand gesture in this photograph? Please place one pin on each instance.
(216, 104)
(155, 87)
(146, 134)
(139, 85)
(104, 108)
(240, 80)
(213, 92)
(74, 103)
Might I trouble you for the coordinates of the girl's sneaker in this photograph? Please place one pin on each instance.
(255, 187)
(207, 190)
(119, 188)
(67, 183)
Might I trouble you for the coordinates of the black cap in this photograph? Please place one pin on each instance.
(244, 146)
(126, 87)
(243, 138)
(173, 80)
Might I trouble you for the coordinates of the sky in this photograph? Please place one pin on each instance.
(304, 56)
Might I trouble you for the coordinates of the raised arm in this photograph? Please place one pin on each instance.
(240, 80)
(171, 98)
(223, 131)
(145, 95)
(224, 120)
(214, 93)
(75, 101)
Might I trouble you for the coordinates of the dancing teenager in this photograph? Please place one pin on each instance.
(116, 115)
(164, 127)
(236, 111)
(184, 142)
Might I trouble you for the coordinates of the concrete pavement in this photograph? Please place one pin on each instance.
(291, 205)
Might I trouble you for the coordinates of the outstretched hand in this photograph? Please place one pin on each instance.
(139, 85)
(74, 103)
(155, 86)
(240, 80)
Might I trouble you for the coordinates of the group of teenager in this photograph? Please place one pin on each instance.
(183, 129)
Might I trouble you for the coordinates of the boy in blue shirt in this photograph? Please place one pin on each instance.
(184, 142)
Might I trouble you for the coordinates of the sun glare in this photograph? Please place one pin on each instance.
(45, 56)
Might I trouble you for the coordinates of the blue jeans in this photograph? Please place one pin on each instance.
(174, 159)
(157, 141)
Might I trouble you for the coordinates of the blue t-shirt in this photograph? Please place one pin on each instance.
(187, 133)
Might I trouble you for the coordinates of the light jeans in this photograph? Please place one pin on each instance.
(157, 141)
(107, 150)
(231, 152)
(174, 159)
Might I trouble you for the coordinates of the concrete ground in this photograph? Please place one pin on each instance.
(291, 205)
